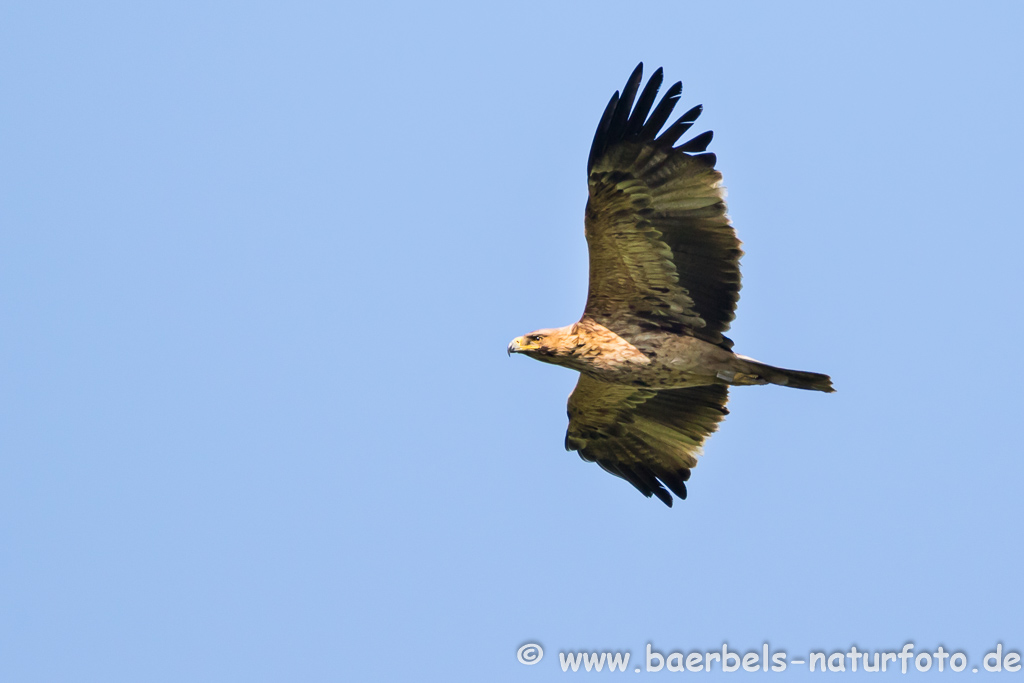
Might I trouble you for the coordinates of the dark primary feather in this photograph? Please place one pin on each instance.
(617, 128)
(682, 124)
(697, 144)
(664, 109)
(643, 105)
(601, 134)
(663, 254)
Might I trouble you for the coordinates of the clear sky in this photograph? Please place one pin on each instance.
(260, 263)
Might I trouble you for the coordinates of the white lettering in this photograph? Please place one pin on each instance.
(998, 656)
(906, 653)
(651, 654)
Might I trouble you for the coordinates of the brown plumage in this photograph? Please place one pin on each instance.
(653, 359)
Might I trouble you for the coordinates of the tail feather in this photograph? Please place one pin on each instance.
(798, 379)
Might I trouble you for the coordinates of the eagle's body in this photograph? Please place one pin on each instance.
(655, 360)
(654, 363)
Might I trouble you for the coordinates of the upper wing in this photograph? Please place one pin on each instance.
(662, 251)
(644, 435)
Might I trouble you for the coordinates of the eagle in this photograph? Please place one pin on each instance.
(655, 365)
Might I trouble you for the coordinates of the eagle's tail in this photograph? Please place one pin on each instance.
(750, 371)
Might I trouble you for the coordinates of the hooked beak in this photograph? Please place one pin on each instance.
(513, 346)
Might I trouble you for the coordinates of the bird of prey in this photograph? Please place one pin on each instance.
(654, 363)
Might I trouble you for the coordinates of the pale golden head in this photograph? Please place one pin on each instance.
(547, 344)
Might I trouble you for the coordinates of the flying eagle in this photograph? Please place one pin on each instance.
(654, 363)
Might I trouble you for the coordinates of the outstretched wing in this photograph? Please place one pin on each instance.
(663, 254)
(647, 437)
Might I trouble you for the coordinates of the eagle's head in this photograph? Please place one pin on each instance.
(547, 345)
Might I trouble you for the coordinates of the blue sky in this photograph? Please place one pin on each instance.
(261, 263)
